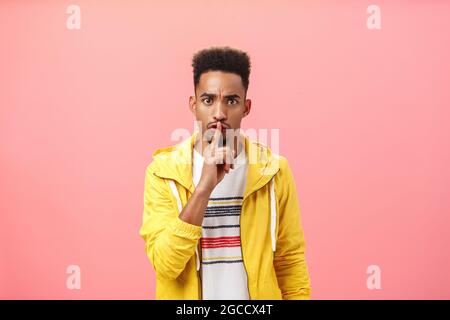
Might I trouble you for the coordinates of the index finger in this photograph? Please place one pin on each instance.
(216, 137)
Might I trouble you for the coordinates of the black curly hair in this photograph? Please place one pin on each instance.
(222, 59)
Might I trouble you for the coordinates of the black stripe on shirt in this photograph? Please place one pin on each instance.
(226, 198)
(222, 211)
(212, 208)
(221, 215)
(222, 261)
(222, 226)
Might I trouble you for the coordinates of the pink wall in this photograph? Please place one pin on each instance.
(363, 118)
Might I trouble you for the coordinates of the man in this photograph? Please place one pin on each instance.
(221, 217)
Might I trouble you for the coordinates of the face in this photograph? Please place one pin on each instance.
(219, 96)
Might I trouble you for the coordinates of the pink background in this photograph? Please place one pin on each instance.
(363, 118)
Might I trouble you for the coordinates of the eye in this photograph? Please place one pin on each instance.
(207, 101)
(232, 101)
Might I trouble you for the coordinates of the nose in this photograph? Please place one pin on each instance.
(219, 112)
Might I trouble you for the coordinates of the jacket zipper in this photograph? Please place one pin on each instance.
(200, 285)
(242, 253)
(242, 247)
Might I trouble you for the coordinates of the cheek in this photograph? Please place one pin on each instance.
(200, 114)
(236, 116)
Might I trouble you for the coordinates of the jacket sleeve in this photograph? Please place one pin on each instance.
(169, 241)
(289, 261)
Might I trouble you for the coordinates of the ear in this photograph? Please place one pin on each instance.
(248, 107)
(192, 104)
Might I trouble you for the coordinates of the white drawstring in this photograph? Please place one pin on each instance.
(176, 195)
(180, 207)
(273, 215)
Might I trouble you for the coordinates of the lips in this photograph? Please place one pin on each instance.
(214, 126)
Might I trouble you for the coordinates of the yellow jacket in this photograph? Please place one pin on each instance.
(273, 246)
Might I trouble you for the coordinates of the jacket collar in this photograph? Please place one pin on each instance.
(175, 163)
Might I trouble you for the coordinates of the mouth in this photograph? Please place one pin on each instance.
(211, 129)
(214, 126)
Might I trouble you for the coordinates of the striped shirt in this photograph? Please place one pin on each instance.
(222, 270)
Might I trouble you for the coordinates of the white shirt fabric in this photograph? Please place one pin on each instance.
(222, 269)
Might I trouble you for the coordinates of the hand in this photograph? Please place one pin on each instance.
(217, 161)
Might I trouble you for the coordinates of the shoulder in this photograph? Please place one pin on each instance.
(168, 158)
(265, 154)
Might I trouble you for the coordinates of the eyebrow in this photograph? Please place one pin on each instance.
(211, 95)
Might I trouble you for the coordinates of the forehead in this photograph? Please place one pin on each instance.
(220, 82)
